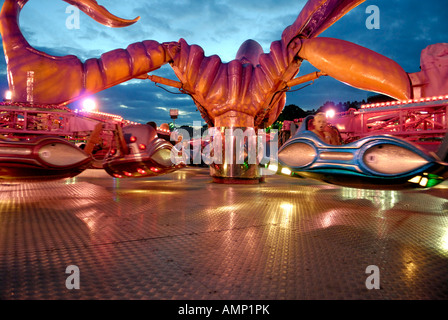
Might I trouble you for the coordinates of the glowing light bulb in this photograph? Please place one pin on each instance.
(89, 105)
(330, 113)
(8, 95)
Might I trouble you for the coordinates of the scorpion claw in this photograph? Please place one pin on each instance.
(101, 14)
(357, 66)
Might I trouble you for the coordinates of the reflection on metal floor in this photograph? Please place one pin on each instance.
(180, 236)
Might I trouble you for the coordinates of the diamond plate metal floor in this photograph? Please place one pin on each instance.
(180, 236)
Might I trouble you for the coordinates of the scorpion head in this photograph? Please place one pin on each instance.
(249, 52)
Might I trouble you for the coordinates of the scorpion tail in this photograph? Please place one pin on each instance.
(36, 77)
(101, 14)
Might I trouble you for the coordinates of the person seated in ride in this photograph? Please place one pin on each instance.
(326, 133)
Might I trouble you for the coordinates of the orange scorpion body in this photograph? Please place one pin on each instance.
(249, 91)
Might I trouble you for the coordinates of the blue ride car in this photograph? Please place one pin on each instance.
(374, 162)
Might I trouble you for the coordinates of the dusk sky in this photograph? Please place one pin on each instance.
(220, 27)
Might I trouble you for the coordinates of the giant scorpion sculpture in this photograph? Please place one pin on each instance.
(247, 92)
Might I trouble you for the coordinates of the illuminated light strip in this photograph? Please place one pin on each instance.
(117, 117)
(393, 103)
(163, 130)
(131, 122)
(114, 116)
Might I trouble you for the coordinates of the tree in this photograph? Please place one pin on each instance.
(291, 112)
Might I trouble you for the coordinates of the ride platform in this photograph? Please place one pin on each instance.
(182, 237)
